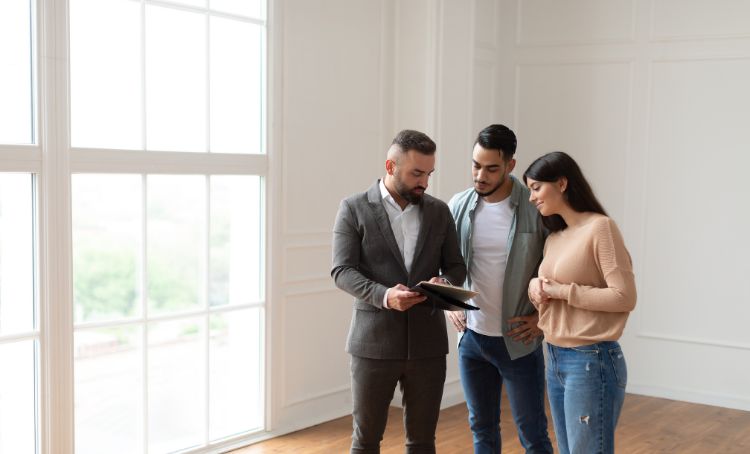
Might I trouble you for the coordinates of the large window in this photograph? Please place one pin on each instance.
(167, 306)
(133, 169)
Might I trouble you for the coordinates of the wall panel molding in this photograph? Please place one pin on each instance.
(693, 340)
(627, 38)
(713, 7)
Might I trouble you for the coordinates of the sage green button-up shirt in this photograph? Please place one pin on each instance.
(526, 245)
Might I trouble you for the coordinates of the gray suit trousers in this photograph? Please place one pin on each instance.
(373, 384)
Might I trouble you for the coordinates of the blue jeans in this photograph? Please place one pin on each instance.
(485, 365)
(586, 389)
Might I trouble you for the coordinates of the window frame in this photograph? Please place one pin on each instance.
(53, 162)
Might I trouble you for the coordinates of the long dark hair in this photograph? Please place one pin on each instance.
(553, 166)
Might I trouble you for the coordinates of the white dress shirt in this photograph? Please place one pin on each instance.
(405, 225)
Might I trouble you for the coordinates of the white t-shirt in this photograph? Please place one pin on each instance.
(489, 250)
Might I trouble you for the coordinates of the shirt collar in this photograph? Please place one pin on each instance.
(515, 195)
(388, 198)
(384, 191)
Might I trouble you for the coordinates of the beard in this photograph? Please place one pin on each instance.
(492, 190)
(409, 194)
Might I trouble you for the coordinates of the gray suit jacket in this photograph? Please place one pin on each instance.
(367, 261)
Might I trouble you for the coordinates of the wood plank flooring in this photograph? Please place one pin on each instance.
(647, 425)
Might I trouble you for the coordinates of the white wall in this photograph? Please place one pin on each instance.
(653, 103)
(347, 75)
(652, 98)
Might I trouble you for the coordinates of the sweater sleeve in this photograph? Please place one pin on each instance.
(616, 268)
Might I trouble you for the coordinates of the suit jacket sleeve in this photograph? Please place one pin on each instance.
(347, 243)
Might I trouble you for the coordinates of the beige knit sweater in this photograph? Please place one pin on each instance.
(592, 260)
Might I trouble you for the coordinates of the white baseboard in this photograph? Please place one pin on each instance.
(713, 399)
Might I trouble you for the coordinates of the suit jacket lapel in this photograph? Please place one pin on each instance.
(384, 224)
(424, 229)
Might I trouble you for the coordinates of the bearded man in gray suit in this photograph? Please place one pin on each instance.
(385, 241)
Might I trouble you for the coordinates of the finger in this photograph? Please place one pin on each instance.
(409, 294)
(518, 330)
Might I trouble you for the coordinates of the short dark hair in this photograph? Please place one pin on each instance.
(498, 137)
(409, 139)
(553, 166)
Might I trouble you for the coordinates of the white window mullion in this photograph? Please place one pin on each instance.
(207, 317)
(144, 307)
(56, 302)
(144, 113)
(208, 81)
(20, 159)
(84, 160)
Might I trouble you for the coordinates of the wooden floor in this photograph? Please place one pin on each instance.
(647, 425)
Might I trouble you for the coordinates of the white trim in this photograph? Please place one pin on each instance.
(91, 160)
(10, 338)
(686, 395)
(144, 309)
(20, 159)
(167, 317)
(206, 304)
(273, 238)
(208, 11)
(695, 340)
(55, 232)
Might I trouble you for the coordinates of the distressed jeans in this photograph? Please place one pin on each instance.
(586, 389)
(485, 365)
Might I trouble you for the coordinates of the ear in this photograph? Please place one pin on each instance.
(562, 184)
(390, 166)
(511, 166)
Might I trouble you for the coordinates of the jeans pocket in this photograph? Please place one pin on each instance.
(619, 367)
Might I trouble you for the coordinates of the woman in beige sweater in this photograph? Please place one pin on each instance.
(584, 293)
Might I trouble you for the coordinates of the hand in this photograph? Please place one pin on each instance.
(401, 298)
(555, 289)
(527, 329)
(537, 292)
(438, 280)
(458, 319)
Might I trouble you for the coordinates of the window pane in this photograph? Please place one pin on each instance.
(17, 397)
(251, 8)
(176, 384)
(236, 103)
(105, 74)
(16, 253)
(235, 240)
(176, 226)
(16, 88)
(175, 80)
(106, 246)
(235, 377)
(109, 390)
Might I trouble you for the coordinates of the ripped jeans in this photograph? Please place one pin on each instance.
(586, 389)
